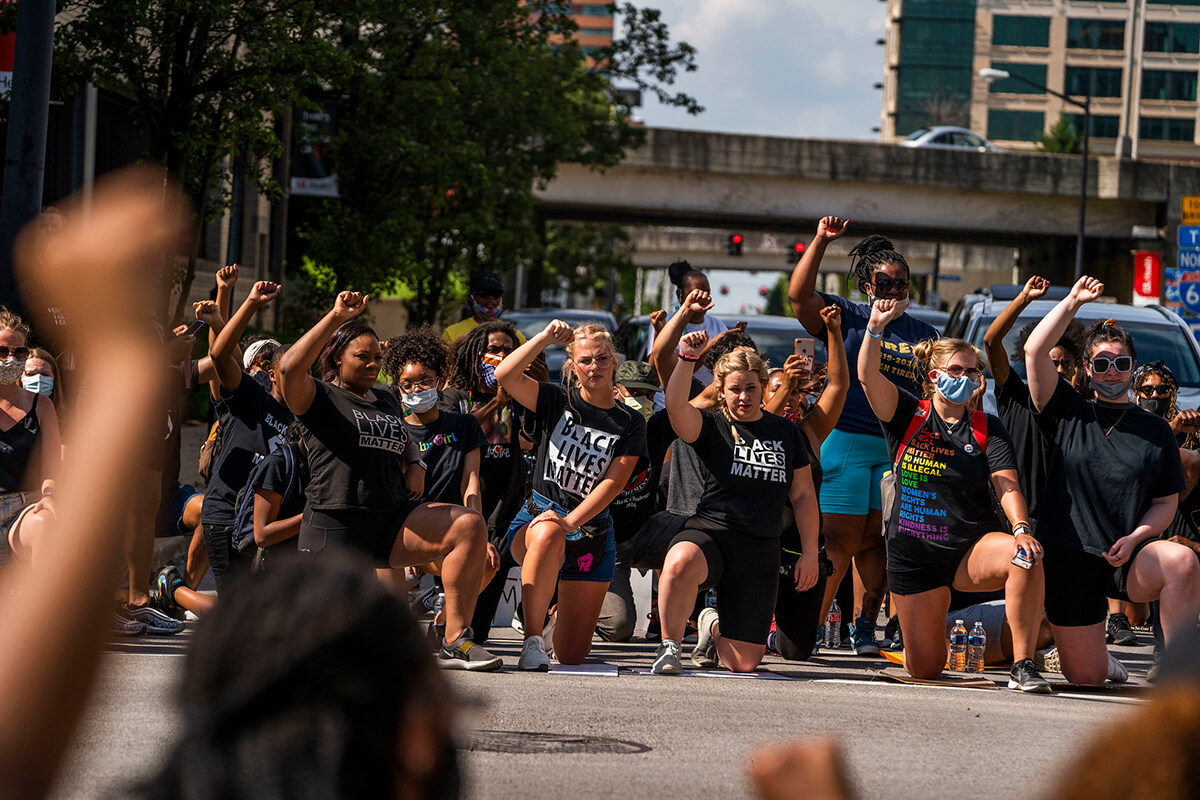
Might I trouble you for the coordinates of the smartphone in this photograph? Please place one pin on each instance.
(1021, 560)
(806, 349)
(194, 328)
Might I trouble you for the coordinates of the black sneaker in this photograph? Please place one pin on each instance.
(654, 628)
(162, 593)
(156, 622)
(1025, 676)
(1120, 632)
(465, 654)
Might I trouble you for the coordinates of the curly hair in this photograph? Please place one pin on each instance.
(932, 353)
(588, 330)
(467, 352)
(11, 321)
(1192, 441)
(737, 361)
(337, 344)
(726, 343)
(872, 252)
(1071, 341)
(421, 346)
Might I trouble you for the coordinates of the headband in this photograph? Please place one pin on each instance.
(251, 354)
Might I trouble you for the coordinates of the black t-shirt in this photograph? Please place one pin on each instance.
(943, 486)
(501, 464)
(355, 450)
(1107, 463)
(253, 425)
(1015, 409)
(635, 504)
(274, 476)
(444, 447)
(579, 441)
(750, 469)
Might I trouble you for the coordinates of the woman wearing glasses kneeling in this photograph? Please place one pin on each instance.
(1112, 488)
(942, 531)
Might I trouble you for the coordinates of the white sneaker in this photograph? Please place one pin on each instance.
(1116, 670)
(533, 655)
(666, 659)
(704, 654)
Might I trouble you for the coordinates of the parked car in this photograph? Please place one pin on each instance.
(775, 336)
(948, 137)
(930, 316)
(531, 321)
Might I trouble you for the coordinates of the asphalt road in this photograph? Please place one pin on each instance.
(641, 736)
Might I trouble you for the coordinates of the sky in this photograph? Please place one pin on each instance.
(799, 68)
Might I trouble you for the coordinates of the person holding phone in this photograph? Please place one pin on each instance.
(855, 455)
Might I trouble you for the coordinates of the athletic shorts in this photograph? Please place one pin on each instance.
(169, 520)
(647, 549)
(992, 615)
(591, 551)
(853, 465)
(1078, 584)
(743, 569)
(370, 532)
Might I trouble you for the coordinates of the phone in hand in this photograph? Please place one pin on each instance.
(1022, 560)
(194, 328)
(806, 350)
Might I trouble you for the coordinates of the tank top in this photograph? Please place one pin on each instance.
(16, 448)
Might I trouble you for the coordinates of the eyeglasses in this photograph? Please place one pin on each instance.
(955, 371)
(19, 353)
(1102, 364)
(418, 386)
(1161, 390)
(1063, 363)
(264, 365)
(884, 284)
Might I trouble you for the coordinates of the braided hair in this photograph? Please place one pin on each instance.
(872, 252)
(468, 351)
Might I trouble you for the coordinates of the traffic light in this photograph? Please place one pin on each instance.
(795, 251)
(733, 244)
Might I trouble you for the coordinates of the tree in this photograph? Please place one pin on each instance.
(586, 255)
(453, 112)
(1061, 138)
(207, 78)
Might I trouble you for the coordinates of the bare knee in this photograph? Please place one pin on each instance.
(1086, 674)
(1183, 569)
(742, 662)
(682, 567)
(468, 530)
(926, 667)
(545, 538)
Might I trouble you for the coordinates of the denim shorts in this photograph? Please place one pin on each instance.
(591, 551)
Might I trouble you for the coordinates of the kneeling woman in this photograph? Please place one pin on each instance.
(588, 447)
(756, 462)
(943, 530)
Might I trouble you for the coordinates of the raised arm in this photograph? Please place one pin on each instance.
(686, 419)
(666, 341)
(1039, 369)
(227, 278)
(825, 414)
(802, 288)
(881, 392)
(993, 340)
(511, 372)
(229, 371)
(298, 386)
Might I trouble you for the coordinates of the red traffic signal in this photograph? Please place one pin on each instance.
(795, 251)
(724, 288)
(733, 244)
(736, 238)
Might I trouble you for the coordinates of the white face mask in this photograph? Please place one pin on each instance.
(38, 384)
(644, 405)
(11, 370)
(420, 402)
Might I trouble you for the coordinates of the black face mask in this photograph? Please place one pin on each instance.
(263, 379)
(1158, 406)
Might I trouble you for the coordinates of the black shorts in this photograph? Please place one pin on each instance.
(1078, 584)
(743, 571)
(934, 576)
(647, 549)
(371, 532)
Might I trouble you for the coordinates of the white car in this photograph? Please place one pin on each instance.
(946, 137)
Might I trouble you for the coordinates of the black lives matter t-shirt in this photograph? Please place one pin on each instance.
(750, 467)
(253, 423)
(355, 450)
(943, 486)
(1106, 464)
(444, 446)
(636, 502)
(1015, 409)
(579, 441)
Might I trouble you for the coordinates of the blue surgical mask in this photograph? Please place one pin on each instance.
(38, 384)
(956, 390)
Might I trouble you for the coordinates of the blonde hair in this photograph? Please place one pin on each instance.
(932, 353)
(10, 321)
(740, 360)
(588, 330)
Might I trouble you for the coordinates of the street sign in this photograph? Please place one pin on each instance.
(7, 44)
(1195, 326)
(1189, 291)
(1191, 209)
(1189, 259)
(1189, 236)
(1147, 272)
(1171, 293)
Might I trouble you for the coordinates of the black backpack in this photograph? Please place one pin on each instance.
(243, 507)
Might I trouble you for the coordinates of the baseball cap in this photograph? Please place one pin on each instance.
(487, 282)
(637, 375)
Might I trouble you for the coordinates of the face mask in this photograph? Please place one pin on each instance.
(481, 311)
(641, 404)
(263, 379)
(38, 384)
(1158, 406)
(487, 372)
(1112, 391)
(420, 402)
(11, 370)
(956, 390)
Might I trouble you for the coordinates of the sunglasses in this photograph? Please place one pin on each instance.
(955, 371)
(19, 353)
(1162, 390)
(884, 284)
(1102, 364)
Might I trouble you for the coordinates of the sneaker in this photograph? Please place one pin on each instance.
(465, 654)
(1025, 676)
(862, 638)
(1120, 632)
(156, 622)
(1152, 673)
(122, 625)
(1116, 670)
(533, 655)
(666, 659)
(891, 633)
(820, 639)
(704, 654)
(548, 631)
(424, 601)
(1048, 660)
(162, 593)
(518, 621)
(654, 628)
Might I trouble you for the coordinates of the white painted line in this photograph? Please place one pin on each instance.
(761, 675)
(588, 670)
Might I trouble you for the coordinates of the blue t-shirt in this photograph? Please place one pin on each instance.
(897, 361)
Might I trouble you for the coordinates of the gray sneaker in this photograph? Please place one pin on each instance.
(1025, 677)
(534, 657)
(465, 654)
(704, 654)
(666, 659)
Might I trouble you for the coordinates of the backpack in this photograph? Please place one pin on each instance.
(243, 513)
(887, 484)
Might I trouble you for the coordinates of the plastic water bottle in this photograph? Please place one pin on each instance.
(976, 645)
(958, 647)
(437, 604)
(710, 599)
(833, 627)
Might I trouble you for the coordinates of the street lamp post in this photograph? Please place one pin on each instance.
(990, 75)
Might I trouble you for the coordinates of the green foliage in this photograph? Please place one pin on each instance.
(777, 298)
(585, 255)
(1061, 138)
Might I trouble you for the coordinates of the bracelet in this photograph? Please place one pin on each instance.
(689, 359)
(1021, 526)
(874, 335)
(419, 463)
